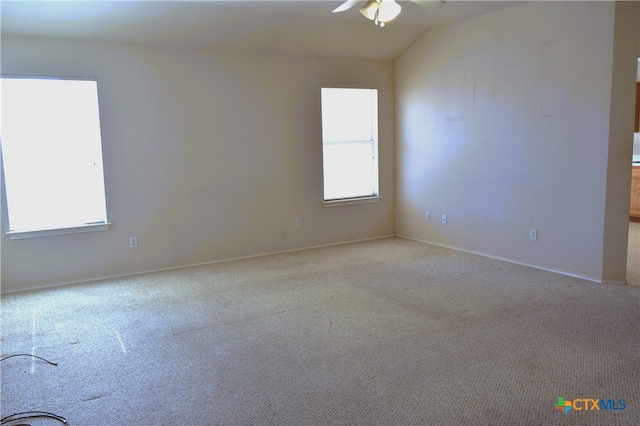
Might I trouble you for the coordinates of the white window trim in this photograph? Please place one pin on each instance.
(18, 234)
(375, 196)
(352, 201)
(34, 233)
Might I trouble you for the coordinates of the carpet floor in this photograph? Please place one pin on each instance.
(380, 332)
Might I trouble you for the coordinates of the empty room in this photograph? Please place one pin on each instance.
(320, 212)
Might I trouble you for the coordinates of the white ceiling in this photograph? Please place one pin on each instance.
(304, 27)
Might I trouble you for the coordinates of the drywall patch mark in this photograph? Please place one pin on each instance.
(556, 78)
(122, 346)
(455, 89)
(518, 81)
(483, 90)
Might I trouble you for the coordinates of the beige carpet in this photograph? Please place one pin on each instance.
(381, 332)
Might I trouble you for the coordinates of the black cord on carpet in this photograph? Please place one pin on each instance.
(34, 356)
(30, 414)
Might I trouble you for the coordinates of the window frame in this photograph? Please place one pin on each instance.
(15, 234)
(359, 199)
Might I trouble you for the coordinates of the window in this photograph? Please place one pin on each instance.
(350, 143)
(52, 156)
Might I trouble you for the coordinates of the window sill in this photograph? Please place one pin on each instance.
(34, 233)
(352, 201)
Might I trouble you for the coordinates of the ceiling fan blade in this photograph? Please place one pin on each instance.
(346, 6)
(430, 4)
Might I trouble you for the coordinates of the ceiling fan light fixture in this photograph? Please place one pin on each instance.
(388, 10)
(381, 11)
(370, 10)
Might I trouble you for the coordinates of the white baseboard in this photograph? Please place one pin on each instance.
(556, 271)
(132, 274)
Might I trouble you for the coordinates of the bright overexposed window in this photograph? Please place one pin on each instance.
(51, 153)
(349, 140)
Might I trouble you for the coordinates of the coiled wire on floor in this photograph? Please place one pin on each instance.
(25, 415)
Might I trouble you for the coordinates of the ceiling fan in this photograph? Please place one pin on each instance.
(383, 11)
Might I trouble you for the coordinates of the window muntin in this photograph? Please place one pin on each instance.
(350, 146)
(51, 153)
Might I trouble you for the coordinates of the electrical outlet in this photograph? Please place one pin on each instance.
(133, 242)
(444, 219)
(533, 234)
(427, 217)
(298, 222)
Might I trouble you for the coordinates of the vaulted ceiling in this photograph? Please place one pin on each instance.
(304, 27)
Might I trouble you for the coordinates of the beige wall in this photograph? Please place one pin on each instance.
(504, 122)
(208, 156)
(620, 149)
(516, 120)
